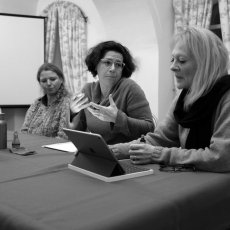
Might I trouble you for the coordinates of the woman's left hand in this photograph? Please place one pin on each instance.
(143, 154)
(104, 113)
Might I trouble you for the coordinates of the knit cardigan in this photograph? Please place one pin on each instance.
(133, 118)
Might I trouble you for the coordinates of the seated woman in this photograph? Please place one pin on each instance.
(196, 130)
(47, 115)
(114, 106)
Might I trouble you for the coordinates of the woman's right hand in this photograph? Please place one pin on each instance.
(78, 103)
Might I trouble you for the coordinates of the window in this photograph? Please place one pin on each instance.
(215, 20)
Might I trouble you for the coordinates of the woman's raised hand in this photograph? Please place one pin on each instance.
(78, 103)
(104, 113)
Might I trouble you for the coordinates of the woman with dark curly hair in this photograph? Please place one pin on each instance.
(114, 106)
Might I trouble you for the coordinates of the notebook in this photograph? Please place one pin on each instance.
(95, 159)
(65, 147)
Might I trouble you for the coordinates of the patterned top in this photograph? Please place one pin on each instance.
(48, 120)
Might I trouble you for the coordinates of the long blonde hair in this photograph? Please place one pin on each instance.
(211, 57)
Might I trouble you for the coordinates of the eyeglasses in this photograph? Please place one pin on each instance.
(108, 63)
(177, 168)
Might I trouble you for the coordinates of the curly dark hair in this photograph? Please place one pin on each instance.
(50, 67)
(96, 53)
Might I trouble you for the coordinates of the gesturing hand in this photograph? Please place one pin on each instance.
(104, 113)
(78, 103)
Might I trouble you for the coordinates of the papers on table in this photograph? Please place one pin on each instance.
(66, 147)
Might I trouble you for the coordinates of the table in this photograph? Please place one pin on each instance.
(40, 192)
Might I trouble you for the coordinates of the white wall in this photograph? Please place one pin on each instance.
(163, 19)
(18, 6)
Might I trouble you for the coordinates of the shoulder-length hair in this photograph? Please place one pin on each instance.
(96, 53)
(211, 57)
(50, 67)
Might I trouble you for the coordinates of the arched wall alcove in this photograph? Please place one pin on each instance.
(145, 27)
(130, 23)
(163, 19)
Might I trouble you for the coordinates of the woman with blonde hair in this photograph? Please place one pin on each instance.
(196, 129)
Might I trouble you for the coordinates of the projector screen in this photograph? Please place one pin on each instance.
(22, 48)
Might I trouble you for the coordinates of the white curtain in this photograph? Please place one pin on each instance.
(67, 19)
(51, 34)
(224, 9)
(192, 12)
